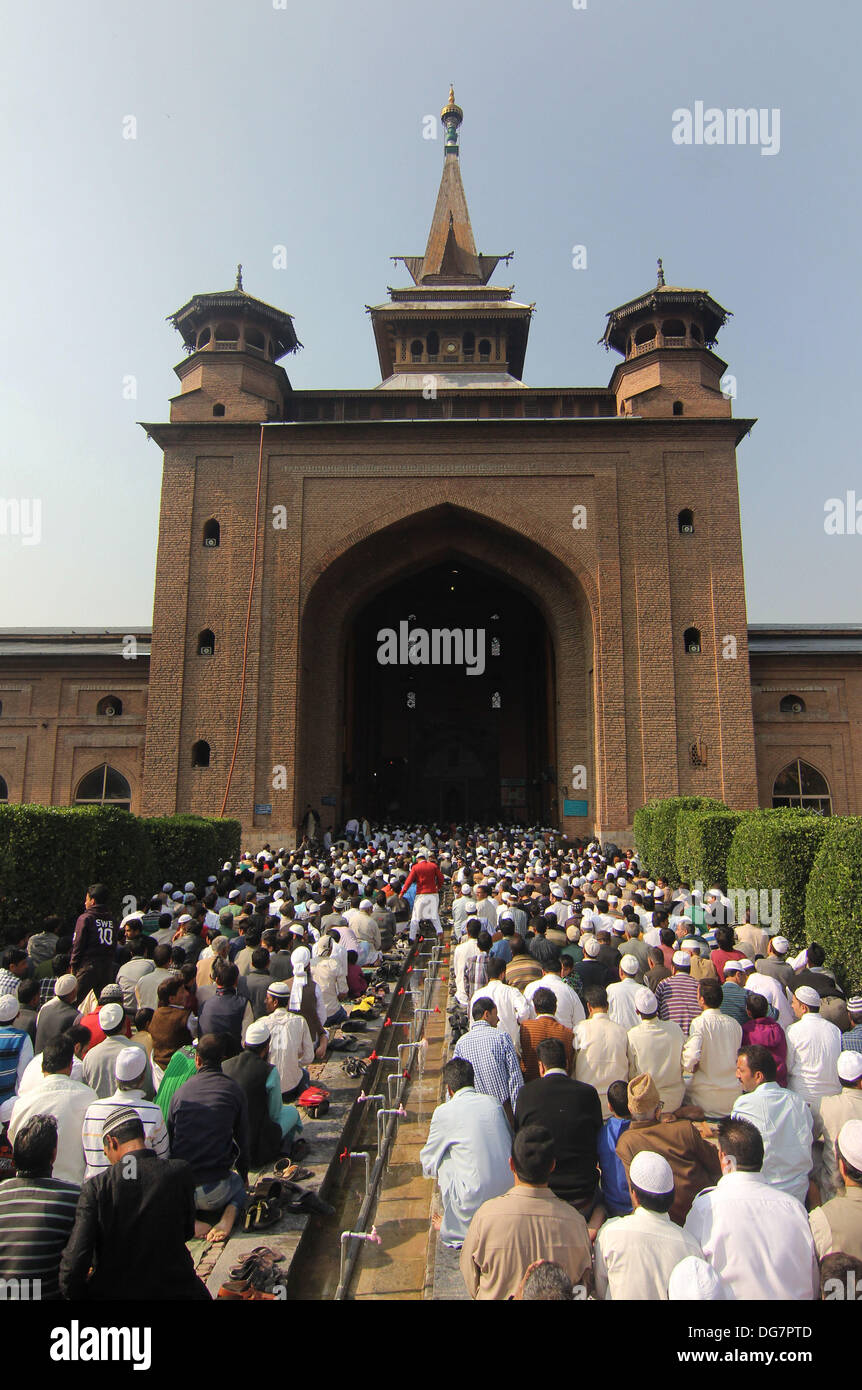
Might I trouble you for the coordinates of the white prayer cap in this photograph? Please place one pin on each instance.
(850, 1143)
(65, 985)
(366, 905)
(184, 918)
(850, 1066)
(167, 888)
(110, 1016)
(646, 1003)
(257, 1033)
(6, 1110)
(781, 945)
(652, 937)
(651, 1173)
(226, 866)
(130, 1063)
(10, 1008)
(189, 888)
(694, 1279)
(650, 886)
(573, 933)
(731, 967)
(744, 964)
(591, 947)
(807, 996)
(613, 901)
(658, 893)
(682, 960)
(690, 944)
(684, 921)
(233, 895)
(557, 891)
(630, 965)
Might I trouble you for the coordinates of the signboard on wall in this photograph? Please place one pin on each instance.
(575, 808)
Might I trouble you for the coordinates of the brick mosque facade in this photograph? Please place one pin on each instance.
(591, 536)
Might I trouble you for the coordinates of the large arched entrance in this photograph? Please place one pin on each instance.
(416, 735)
(449, 702)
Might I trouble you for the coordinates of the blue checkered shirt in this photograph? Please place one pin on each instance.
(852, 1041)
(495, 1061)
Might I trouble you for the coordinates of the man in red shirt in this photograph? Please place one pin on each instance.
(429, 881)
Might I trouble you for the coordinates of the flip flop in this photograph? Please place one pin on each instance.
(296, 1174)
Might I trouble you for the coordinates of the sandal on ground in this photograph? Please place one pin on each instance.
(296, 1174)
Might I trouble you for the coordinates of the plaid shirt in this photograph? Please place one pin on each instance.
(852, 1040)
(476, 973)
(46, 989)
(8, 982)
(495, 1062)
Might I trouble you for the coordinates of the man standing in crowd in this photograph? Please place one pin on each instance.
(94, 943)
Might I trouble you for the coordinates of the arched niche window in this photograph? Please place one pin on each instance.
(678, 408)
(800, 784)
(4, 791)
(226, 333)
(200, 753)
(673, 328)
(685, 521)
(212, 533)
(204, 337)
(111, 706)
(218, 408)
(416, 350)
(792, 704)
(484, 350)
(433, 344)
(645, 334)
(255, 340)
(468, 343)
(691, 641)
(206, 643)
(104, 786)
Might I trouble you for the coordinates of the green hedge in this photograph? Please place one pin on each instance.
(833, 901)
(50, 854)
(776, 849)
(655, 826)
(703, 840)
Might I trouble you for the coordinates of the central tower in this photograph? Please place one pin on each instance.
(451, 324)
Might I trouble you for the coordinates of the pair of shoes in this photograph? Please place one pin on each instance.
(261, 1214)
(294, 1173)
(309, 1204)
(240, 1289)
(355, 1066)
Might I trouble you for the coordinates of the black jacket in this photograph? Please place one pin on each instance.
(132, 1224)
(572, 1111)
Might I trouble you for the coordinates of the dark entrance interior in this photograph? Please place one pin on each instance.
(431, 742)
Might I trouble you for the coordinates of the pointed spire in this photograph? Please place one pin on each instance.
(660, 284)
(238, 285)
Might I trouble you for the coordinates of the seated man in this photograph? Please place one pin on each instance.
(528, 1223)
(273, 1126)
(208, 1128)
(37, 1211)
(636, 1255)
(616, 1197)
(468, 1149)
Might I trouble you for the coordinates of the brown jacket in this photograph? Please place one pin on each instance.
(533, 1030)
(694, 1161)
(169, 1031)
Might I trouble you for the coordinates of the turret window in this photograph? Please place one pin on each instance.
(673, 329)
(678, 407)
(227, 333)
(206, 643)
(468, 344)
(484, 350)
(792, 704)
(691, 641)
(696, 334)
(212, 534)
(433, 343)
(645, 334)
(255, 341)
(204, 337)
(218, 409)
(685, 520)
(110, 707)
(416, 350)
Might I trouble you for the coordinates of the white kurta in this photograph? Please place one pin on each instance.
(834, 1112)
(712, 1044)
(775, 993)
(621, 1003)
(655, 1046)
(756, 1238)
(570, 1010)
(467, 1150)
(636, 1255)
(68, 1101)
(813, 1049)
(601, 1055)
(512, 1008)
(290, 1046)
(785, 1123)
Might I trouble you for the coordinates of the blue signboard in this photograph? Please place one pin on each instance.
(575, 808)
(263, 808)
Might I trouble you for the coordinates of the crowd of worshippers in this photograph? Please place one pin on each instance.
(173, 1046)
(684, 1092)
(645, 1098)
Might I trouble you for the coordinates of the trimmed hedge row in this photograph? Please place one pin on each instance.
(655, 831)
(703, 840)
(776, 849)
(49, 855)
(833, 900)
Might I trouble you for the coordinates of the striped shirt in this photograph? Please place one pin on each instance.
(155, 1132)
(36, 1219)
(496, 1068)
(677, 1000)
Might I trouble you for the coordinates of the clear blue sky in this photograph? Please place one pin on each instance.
(302, 126)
